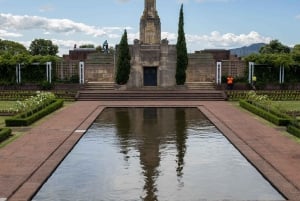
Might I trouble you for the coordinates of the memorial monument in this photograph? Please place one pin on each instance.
(153, 60)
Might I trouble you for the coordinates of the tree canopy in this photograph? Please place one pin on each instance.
(296, 54)
(274, 47)
(87, 46)
(12, 47)
(43, 47)
(276, 54)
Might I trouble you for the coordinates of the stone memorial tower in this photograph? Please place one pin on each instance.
(153, 61)
(150, 31)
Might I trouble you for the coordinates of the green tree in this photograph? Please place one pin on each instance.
(296, 54)
(12, 47)
(87, 46)
(274, 47)
(182, 56)
(123, 63)
(43, 47)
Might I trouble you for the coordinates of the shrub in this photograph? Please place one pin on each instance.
(4, 133)
(45, 85)
(265, 114)
(27, 118)
(294, 130)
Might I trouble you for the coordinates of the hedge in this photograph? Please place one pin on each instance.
(4, 133)
(294, 130)
(25, 119)
(265, 114)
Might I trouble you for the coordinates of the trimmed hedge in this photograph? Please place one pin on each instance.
(25, 119)
(4, 133)
(265, 114)
(294, 130)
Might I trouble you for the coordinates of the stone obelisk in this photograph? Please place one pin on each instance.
(150, 27)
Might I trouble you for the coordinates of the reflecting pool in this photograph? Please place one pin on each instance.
(151, 154)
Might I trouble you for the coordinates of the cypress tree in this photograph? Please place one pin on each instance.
(123, 63)
(182, 56)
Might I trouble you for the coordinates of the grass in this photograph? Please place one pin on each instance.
(5, 105)
(288, 105)
(2, 121)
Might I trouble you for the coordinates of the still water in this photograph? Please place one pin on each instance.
(151, 154)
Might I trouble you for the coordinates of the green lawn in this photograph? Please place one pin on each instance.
(288, 105)
(2, 121)
(6, 105)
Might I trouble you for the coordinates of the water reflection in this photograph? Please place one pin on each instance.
(151, 154)
(181, 136)
(150, 128)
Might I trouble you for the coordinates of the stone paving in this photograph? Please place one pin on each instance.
(27, 162)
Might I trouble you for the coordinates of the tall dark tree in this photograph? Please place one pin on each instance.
(43, 47)
(123, 63)
(182, 56)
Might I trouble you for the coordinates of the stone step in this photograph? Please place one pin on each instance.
(99, 86)
(91, 95)
(201, 85)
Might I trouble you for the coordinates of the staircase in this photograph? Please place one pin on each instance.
(200, 85)
(93, 86)
(150, 95)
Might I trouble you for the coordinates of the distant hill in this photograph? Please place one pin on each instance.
(246, 50)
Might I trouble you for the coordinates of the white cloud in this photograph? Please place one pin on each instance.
(4, 33)
(227, 40)
(14, 26)
(66, 26)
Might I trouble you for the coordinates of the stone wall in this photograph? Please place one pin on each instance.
(201, 68)
(162, 56)
(100, 67)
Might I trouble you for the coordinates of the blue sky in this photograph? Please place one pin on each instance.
(220, 24)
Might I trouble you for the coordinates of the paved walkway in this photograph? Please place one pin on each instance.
(27, 162)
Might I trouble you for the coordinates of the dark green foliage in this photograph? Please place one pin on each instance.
(123, 63)
(12, 48)
(294, 130)
(274, 47)
(45, 85)
(182, 56)
(4, 133)
(87, 46)
(26, 119)
(43, 47)
(265, 114)
(74, 78)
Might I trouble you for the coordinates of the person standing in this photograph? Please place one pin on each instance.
(230, 82)
(254, 82)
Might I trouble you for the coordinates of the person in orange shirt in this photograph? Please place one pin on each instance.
(230, 82)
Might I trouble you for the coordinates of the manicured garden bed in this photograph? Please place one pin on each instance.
(28, 117)
(276, 95)
(276, 118)
(262, 106)
(17, 95)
